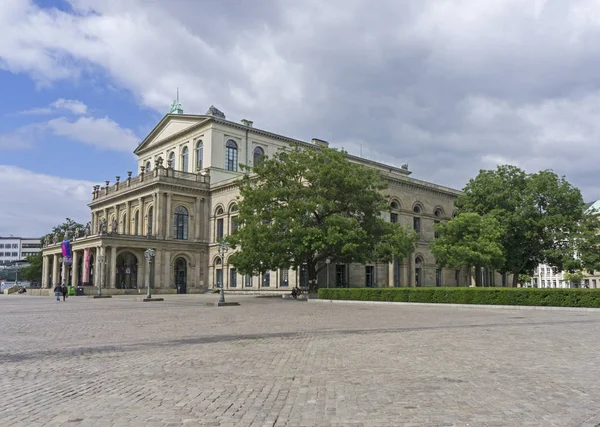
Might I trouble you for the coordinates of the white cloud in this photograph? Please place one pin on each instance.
(38, 202)
(21, 138)
(72, 105)
(102, 133)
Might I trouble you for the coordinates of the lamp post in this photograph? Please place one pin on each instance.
(223, 248)
(328, 261)
(149, 255)
(100, 265)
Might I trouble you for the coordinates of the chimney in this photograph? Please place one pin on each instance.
(247, 122)
(320, 142)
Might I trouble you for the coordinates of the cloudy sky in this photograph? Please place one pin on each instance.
(450, 87)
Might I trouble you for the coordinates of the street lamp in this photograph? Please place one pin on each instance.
(223, 248)
(328, 261)
(100, 264)
(149, 255)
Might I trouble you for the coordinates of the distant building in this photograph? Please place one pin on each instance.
(18, 248)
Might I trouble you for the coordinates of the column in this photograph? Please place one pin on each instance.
(154, 213)
(158, 268)
(159, 216)
(128, 217)
(65, 278)
(113, 266)
(166, 281)
(169, 230)
(45, 271)
(75, 274)
(205, 220)
(140, 227)
(55, 267)
(101, 271)
(197, 219)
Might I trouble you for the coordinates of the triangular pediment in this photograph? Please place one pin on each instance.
(170, 125)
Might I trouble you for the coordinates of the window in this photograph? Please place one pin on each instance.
(232, 278)
(199, 154)
(2, 245)
(172, 159)
(231, 156)
(15, 254)
(219, 228)
(418, 271)
(369, 276)
(283, 277)
(219, 277)
(1, 253)
(340, 275)
(148, 166)
(258, 156)
(394, 218)
(180, 223)
(436, 233)
(438, 277)
(150, 212)
(394, 205)
(15, 245)
(266, 279)
(184, 159)
(234, 223)
(136, 230)
(248, 281)
(417, 209)
(417, 224)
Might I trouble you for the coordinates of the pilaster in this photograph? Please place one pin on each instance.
(113, 267)
(75, 267)
(169, 229)
(45, 272)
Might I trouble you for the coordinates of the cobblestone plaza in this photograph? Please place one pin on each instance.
(274, 362)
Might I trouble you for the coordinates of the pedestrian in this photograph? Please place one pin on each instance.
(64, 292)
(57, 292)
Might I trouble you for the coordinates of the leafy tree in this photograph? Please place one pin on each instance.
(468, 240)
(574, 278)
(587, 246)
(524, 278)
(34, 270)
(69, 225)
(539, 215)
(306, 205)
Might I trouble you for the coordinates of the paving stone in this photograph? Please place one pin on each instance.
(277, 362)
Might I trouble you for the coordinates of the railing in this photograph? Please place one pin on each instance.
(159, 174)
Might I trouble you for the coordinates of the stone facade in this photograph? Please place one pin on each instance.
(184, 199)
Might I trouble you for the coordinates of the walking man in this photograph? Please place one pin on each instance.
(64, 292)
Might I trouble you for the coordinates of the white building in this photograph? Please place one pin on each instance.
(18, 248)
(546, 276)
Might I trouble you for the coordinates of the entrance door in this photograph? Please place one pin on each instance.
(181, 275)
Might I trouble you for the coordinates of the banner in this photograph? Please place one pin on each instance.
(86, 265)
(66, 249)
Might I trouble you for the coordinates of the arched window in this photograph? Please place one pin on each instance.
(394, 205)
(416, 219)
(231, 156)
(172, 159)
(149, 226)
(438, 213)
(148, 166)
(199, 154)
(258, 156)
(136, 230)
(417, 209)
(394, 215)
(180, 223)
(184, 159)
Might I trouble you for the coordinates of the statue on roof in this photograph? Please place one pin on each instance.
(215, 112)
(175, 107)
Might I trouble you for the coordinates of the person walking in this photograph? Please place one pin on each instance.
(57, 292)
(64, 292)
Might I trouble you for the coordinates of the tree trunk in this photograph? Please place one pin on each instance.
(515, 279)
(478, 276)
(312, 276)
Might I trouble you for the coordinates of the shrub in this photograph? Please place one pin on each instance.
(485, 296)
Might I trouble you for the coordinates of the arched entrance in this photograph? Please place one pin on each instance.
(181, 275)
(127, 267)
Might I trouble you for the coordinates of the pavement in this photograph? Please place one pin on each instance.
(275, 362)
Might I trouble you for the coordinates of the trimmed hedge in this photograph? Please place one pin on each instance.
(486, 296)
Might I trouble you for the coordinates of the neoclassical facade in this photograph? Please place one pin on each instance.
(183, 200)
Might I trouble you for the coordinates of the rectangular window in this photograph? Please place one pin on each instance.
(436, 233)
(266, 279)
(248, 281)
(283, 277)
(2, 245)
(438, 277)
(219, 228)
(15, 245)
(417, 224)
(234, 223)
(15, 254)
(340, 275)
(232, 278)
(394, 218)
(369, 276)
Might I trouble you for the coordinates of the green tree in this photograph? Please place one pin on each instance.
(587, 246)
(539, 215)
(574, 278)
(468, 240)
(306, 205)
(34, 270)
(69, 225)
